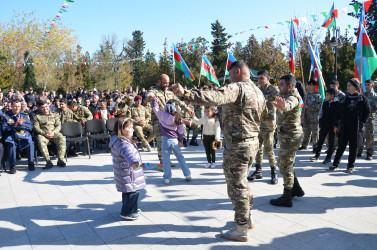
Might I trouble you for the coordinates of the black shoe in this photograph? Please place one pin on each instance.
(359, 154)
(274, 176)
(327, 160)
(302, 148)
(31, 166)
(12, 170)
(184, 142)
(283, 201)
(194, 143)
(48, 165)
(257, 174)
(297, 190)
(61, 163)
(72, 153)
(369, 158)
(333, 168)
(349, 170)
(314, 159)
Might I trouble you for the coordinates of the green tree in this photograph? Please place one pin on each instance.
(151, 71)
(327, 60)
(135, 50)
(165, 62)
(346, 57)
(29, 81)
(220, 47)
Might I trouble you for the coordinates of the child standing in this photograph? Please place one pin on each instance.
(211, 132)
(171, 130)
(326, 126)
(129, 177)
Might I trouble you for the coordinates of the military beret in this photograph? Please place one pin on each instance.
(138, 97)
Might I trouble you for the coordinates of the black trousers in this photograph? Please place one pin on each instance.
(323, 132)
(347, 136)
(210, 152)
(130, 203)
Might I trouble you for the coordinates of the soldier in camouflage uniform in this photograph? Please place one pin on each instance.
(267, 128)
(140, 118)
(189, 125)
(47, 126)
(163, 94)
(312, 106)
(80, 113)
(65, 114)
(120, 109)
(243, 106)
(290, 137)
(368, 132)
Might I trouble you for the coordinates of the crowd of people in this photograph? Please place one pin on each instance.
(249, 116)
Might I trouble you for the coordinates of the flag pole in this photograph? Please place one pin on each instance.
(361, 47)
(173, 65)
(302, 71)
(226, 67)
(200, 72)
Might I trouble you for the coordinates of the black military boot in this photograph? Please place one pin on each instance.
(327, 160)
(48, 165)
(297, 190)
(31, 166)
(302, 148)
(315, 158)
(184, 142)
(193, 142)
(257, 174)
(283, 201)
(61, 163)
(274, 176)
(12, 170)
(369, 157)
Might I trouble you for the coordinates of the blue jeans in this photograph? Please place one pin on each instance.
(171, 144)
(130, 203)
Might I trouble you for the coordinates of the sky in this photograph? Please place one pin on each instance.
(178, 21)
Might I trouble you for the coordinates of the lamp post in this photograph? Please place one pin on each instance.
(336, 44)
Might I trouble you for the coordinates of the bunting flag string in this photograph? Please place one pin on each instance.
(63, 9)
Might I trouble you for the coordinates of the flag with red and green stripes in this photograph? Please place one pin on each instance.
(318, 78)
(366, 58)
(331, 18)
(180, 64)
(208, 71)
(293, 46)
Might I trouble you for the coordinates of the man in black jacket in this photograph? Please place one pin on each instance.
(351, 116)
(326, 126)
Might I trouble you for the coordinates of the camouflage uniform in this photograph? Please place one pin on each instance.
(290, 136)
(267, 127)
(49, 123)
(193, 127)
(243, 106)
(120, 112)
(141, 114)
(369, 125)
(65, 116)
(82, 113)
(163, 97)
(311, 118)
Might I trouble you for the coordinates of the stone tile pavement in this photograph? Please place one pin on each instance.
(78, 207)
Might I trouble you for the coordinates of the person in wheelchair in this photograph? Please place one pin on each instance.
(16, 128)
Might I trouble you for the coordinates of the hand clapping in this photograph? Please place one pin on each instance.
(279, 103)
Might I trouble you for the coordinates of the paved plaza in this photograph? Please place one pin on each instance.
(78, 207)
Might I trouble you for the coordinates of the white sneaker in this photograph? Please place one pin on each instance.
(208, 165)
(166, 181)
(213, 165)
(188, 178)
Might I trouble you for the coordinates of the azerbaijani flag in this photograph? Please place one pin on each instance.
(366, 58)
(208, 71)
(320, 83)
(231, 59)
(301, 105)
(181, 65)
(293, 45)
(361, 21)
(319, 59)
(331, 18)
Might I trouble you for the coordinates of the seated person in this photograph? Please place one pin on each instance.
(103, 112)
(80, 113)
(16, 128)
(140, 117)
(47, 126)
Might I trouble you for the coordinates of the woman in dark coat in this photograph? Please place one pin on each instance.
(353, 111)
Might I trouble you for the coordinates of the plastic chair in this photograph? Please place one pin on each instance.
(96, 131)
(74, 133)
(110, 125)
